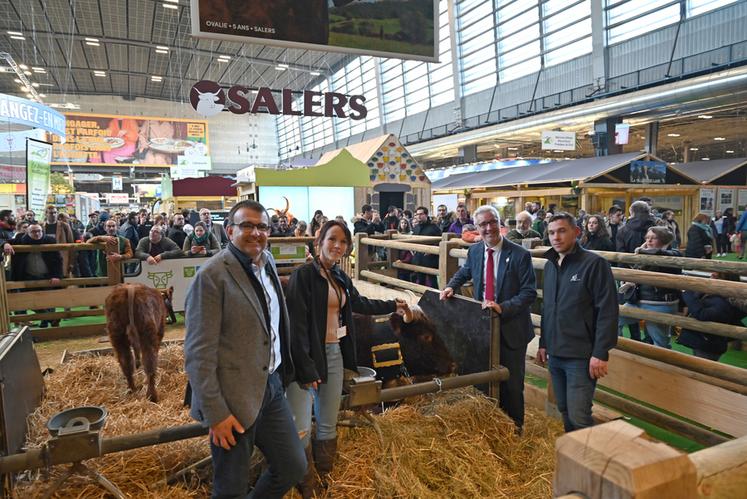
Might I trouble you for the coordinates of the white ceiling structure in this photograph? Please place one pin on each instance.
(135, 48)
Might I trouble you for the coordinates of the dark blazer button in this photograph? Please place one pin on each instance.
(264, 368)
(267, 342)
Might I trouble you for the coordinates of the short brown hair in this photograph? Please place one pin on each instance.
(562, 215)
(326, 228)
(662, 233)
(702, 218)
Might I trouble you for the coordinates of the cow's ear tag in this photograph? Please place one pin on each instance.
(342, 331)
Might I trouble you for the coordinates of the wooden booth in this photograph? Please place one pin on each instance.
(723, 185)
(214, 193)
(394, 177)
(333, 187)
(591, 184)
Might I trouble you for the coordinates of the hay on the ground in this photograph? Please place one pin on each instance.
(456, 444)
(99, 381)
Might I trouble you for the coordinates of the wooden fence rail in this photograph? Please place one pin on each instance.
(679, 262)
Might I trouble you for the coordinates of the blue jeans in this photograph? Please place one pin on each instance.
(325, 401)
(275, 435)
(574, 391)
(660, 333)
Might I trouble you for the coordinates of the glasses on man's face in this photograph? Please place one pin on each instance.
(249, 226)
(484, 225)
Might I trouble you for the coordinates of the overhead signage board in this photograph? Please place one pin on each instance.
(563, 141)
(88, 177)
(208, 98)
(113, 140)
(622, 133)
(648, 172)
(404, 29)
(30, 113)
(38, 156)
(196, 162)
(117, 198)
(16, 141)
(116, 182)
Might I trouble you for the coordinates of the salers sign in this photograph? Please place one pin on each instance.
(208, 98)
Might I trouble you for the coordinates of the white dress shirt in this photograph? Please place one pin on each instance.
(273, 304)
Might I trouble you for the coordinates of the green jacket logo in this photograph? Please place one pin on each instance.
(160, 279)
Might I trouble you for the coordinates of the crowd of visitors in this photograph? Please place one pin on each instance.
(155, 237)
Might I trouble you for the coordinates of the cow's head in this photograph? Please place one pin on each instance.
(414, 325)
(160, 279)
(418, 327)
(207, 96)
(168, 297)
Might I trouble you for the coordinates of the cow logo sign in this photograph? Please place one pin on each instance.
(160, 279)
(207, 98)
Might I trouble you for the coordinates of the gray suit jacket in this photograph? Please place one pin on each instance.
(227, 343)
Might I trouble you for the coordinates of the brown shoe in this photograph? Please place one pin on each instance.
(310, 486)
(325, 452)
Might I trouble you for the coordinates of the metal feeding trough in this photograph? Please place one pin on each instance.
(77, 420)
(362, 386)
(75, 437)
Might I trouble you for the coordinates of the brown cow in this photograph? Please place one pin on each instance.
(135, 320)
(389, 345)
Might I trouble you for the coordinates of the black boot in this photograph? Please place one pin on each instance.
(309, 486)
(325, 452)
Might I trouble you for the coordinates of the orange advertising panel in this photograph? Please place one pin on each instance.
(110, 140)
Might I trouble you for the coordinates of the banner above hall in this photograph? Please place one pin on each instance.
(404, 29)
(113, 140)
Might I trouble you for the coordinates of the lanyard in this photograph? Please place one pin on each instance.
(338, 292)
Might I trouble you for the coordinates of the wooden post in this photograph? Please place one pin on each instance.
(495, 352)
(722, 469)
(617, 460)
(361, 255)
(447, 265)
(4, 311)
(392, 254)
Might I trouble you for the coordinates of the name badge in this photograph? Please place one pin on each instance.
(342, 331)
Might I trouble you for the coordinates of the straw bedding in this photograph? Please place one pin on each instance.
(456, 444)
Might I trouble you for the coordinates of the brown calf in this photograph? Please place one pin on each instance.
(135, 320)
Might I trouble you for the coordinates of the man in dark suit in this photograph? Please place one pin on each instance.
(503, 279)
(238, 361)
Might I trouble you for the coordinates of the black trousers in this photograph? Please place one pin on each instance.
(511, 392)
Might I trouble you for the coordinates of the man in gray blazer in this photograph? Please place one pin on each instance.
(503, 279)
(237, 359)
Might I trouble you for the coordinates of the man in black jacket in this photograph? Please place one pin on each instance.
(129, 229)
(34, 266)
(176, 232)
(37, 265)
(7, 228)
(443, 218)
(631, 236)
(425, 227)
(367, 223)
(579, 321)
